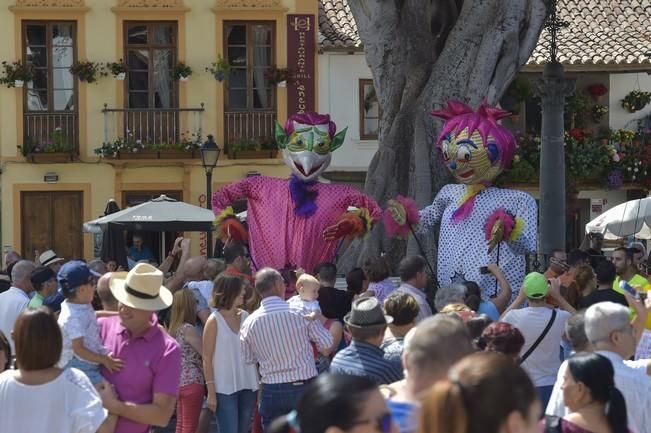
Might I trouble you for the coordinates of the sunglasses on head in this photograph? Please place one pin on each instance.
(382, 423)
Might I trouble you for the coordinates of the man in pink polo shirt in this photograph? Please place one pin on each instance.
(147, 386)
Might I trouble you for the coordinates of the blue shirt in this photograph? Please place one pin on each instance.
(405, 414)
(144, 254)
(489, 309)
(364, 359)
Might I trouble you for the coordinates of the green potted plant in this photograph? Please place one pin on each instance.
(248, 148)
(56, 148)
(182, 72)
(278, 76)
(15, 74)
(577, 107)
(636, 100)
(87, 71)
(219, 69)
(117, 69)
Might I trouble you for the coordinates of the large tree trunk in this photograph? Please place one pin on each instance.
(422, 53)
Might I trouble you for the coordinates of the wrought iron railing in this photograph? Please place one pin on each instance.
(152, 126)
(249, 127)
(50, 132)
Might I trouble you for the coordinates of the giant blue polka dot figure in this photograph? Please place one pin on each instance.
(480, 223)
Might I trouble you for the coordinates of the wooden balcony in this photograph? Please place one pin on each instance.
(50, 137)
(250, 134)
(150, 133)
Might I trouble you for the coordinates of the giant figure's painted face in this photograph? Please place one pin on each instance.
(469, 160)
(474, 147)
(307, 142)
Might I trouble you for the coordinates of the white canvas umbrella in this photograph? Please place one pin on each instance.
(632, 218)
(159, 214)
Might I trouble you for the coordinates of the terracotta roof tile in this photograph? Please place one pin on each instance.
(609, 32)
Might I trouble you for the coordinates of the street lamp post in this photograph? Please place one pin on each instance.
(209, 156)
(554, 89)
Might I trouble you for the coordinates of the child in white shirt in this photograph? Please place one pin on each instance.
(305, 303)
(82, 345)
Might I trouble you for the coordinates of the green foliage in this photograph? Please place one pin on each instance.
(636, 100)
(220, 69)
(181, 70)
(88, 71)
(56, 143)
(188, 142)
(586, 158)
(116, 68)
(16, 71)
(245, 144)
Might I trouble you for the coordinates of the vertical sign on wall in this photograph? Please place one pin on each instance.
(301, 44)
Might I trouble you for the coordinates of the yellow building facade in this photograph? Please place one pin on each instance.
(52, 178)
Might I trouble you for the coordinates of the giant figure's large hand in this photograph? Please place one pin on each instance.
(400, 215)
(229, 227)
(354, 223)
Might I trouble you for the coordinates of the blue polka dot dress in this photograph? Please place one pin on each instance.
(462, 248)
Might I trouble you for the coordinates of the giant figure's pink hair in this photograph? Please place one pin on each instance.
(459, 116)
(310, 118)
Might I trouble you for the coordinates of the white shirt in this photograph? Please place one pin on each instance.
(79, 321)
(424, 310)
(543, 363)
(303, 306)
(230, 371)
(279, 340)
(204, 287)
(68, 404)
(12, 303)
(634, 384)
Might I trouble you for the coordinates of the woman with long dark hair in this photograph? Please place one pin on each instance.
(589, 392)
(338, 403)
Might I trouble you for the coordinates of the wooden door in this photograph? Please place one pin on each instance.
(52, 220)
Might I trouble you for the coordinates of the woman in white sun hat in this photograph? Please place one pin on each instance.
(148, 384)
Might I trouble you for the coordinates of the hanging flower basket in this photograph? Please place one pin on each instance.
(88, 71)
(220, 69)
(279, 76)
(636, 100)
(117, 69)
(15, 74)
(181, 72)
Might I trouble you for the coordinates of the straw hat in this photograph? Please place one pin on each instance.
(141, 288)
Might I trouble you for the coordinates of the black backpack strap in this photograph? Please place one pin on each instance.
(540, 338)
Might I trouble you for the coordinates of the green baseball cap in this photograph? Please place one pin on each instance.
(535, 286)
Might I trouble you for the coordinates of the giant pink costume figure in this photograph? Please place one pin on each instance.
(297, 222)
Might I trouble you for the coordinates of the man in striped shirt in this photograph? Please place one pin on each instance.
(364, 357)
(279, 341)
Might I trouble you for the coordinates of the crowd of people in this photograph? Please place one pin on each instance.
(192, 340)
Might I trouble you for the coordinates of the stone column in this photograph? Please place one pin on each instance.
(553, 91)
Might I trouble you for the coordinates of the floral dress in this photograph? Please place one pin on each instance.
(191, 364)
